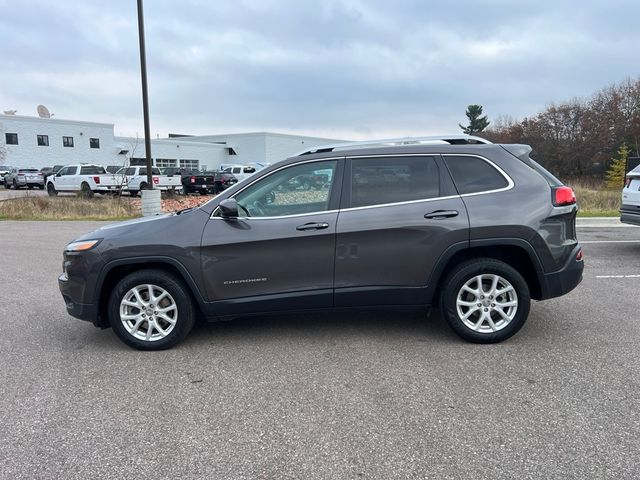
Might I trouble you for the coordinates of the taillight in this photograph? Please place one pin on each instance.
(627, 182)
(21, 174)
(39, 174)
(192, 179)
(580, 256)
(156, 180)
(97, 180)
(563, 196)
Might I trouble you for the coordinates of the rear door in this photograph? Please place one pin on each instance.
(399, 214)
(279, 253)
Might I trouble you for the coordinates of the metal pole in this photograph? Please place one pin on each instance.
(145, 96)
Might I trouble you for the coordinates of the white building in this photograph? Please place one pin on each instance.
(45, 142)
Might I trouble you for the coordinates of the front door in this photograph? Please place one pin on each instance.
(279, 253)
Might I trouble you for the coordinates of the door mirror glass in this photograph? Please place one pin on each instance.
(229, 208)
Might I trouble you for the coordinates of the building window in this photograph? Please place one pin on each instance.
(166, 162)
(67, 141)
(138, 162)
(190, 164)
(43, 140)
(11, 138)
(94, 143)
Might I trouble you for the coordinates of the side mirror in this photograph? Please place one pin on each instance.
(229, 208)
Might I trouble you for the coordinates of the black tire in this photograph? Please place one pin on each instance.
(51, 190)
(15, 186)
(143, 186)
(185, 312)
(6, 185)
(134, 193)
(467, 272)
(85, 190)
(41, 187)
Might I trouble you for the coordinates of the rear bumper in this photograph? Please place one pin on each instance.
(564, 280)
(630, 214)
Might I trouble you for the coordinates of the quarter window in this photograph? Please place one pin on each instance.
(378, 181)
(11, 138)
(294, 190)
(67, 141)
(473, 175)
(43, 140)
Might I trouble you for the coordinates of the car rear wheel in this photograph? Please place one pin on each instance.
(485, 300)
(85, 190)
(151, 310)
(51, 190)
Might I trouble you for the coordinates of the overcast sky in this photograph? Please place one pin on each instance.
(342, 69)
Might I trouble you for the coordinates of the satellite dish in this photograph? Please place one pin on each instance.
(43, 112)
(10, 112)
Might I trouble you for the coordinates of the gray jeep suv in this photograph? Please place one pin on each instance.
(474, 228)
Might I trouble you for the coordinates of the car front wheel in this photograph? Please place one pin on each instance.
(485, 300)
(151, 310)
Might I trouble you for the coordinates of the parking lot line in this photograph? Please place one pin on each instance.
(617, 276)
(610, 241)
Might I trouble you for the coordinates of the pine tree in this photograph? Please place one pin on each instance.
(616, 172)
(477, 123)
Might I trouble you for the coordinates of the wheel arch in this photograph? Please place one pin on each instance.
(516, 252)
(116, 270)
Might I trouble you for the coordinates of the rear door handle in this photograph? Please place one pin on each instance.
(313, 226)
(439, 214)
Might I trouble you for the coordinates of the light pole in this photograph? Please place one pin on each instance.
(152, 199)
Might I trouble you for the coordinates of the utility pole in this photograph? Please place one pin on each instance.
(145, 96)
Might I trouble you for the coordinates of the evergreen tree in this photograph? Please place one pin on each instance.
(477, 123)
(616, 172)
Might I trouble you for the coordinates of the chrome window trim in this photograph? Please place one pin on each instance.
(215, 210)
(283, 216)
(407, 202)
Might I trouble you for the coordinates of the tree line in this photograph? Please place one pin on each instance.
(580, 137)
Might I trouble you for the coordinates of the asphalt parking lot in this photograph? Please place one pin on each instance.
(332, 396)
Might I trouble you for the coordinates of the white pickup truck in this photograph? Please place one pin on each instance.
(84, 178)
(134, 179)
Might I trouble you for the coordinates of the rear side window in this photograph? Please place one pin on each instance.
(473, 175)
(92, 170)
(378, 181)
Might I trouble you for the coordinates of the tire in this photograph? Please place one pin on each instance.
(15, 186)
(133, 193)
(85, 190)
(143, 186)
(41, 187)
(7, 186)
(476, 316)
(137, 331)
(51, 190)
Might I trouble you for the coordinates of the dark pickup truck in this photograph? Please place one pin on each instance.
(201, 182)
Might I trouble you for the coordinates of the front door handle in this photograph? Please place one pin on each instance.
(439, 214)
(313, 226)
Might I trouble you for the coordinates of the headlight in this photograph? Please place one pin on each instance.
(82, 246)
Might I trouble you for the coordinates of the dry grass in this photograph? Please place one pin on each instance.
(69, 208)
(594, 199)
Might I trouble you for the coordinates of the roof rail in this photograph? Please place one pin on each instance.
(457, 139)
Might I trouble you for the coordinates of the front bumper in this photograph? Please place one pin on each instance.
(83, 311)
(558, 283)
(630, 214)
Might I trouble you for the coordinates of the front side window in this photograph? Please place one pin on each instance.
(94, 143)
(379, 181)
(11, 138)
(67, 141)
(473, 174)
(295, 190)
(43, 140)
(67, 171)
